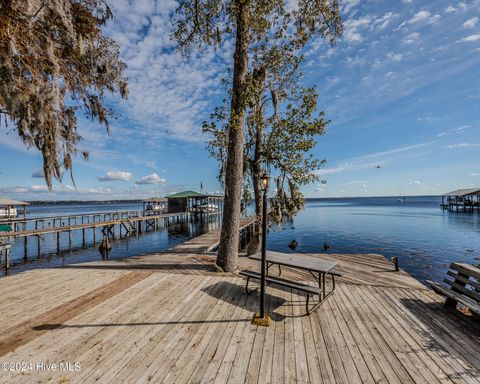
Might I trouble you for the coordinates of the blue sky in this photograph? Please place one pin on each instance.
(401, 87)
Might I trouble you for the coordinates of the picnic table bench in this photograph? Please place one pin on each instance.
(464, 288)
(317, 267)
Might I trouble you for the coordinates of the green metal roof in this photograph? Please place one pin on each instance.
(5, 228)
(185, 194)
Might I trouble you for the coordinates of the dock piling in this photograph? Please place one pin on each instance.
(39, 246)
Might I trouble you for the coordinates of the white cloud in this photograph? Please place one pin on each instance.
(116, 176)
(416, 182)
(319, 188)
(382, 22)
(421, 17)
(349, 4)
(470, 38)
(462, 6)
(394, 56)
(463, 145)
(168, 94)
(13, 189)
(370, 160)
(151, 179)
(411, 38)
(43, 188)
(61, 189)
(38, 174)
(328, 171)
(453, 131)
(354, 61)
(352, 27)
(434, 19)
(474, 174)
(428, 118)
(470, 23)
(450, 9)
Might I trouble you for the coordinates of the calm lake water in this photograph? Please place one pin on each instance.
(423, 237)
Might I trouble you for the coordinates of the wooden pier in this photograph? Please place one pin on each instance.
(111, 223)
(169, 318)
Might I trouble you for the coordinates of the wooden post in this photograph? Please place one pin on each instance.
(83, 237)
(69, 240)
(395, 263)
(38, 245)
(7, 259)
(25, 246)
(94, 236)
(58, 242)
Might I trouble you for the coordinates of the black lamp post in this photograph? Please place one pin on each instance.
(261, 318)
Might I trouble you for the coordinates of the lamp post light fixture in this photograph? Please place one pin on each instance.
(260, 318)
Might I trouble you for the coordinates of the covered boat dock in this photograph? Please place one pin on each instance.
(467, 200)
(155, 205)
(8, 208)
(194, 202)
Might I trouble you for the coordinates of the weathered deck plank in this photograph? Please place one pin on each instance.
(175, 320)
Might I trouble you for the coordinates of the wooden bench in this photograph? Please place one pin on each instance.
(308, 289)
(464, 288)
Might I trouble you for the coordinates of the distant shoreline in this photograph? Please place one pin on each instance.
(80, 202)
(123, 201)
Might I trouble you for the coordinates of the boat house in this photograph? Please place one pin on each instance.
(8, 208)
(194, 202)
(155, 206)
(462, 200)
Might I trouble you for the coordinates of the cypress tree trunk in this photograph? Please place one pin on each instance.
(227, 258)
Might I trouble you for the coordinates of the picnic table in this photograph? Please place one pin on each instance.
(317, 267)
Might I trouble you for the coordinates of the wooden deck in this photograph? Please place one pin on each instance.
(169, 318)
